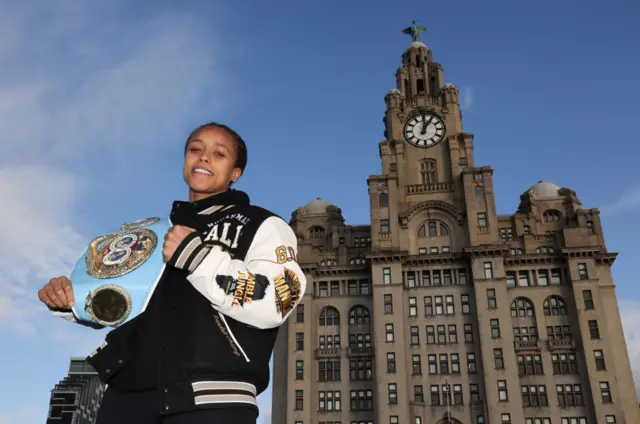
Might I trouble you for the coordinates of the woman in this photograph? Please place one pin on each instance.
(200, 351)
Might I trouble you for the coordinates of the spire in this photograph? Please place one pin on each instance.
(414, 31)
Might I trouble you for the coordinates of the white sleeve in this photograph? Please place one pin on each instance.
(265, 288)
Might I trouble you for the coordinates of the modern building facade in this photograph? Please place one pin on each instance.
(75, 400)
(440, 311)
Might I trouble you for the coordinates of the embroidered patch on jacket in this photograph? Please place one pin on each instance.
(287, 291)
(246, 288)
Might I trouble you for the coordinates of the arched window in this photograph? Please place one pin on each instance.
(478, 192)
(551, 216)
(420, 85)
(383, 200)
(329, 316)
(522, 307)
(428, 174)
(316, 232)
(554, 305)
(356, 261)
(433, 229)
(359, 315)
(545, 249)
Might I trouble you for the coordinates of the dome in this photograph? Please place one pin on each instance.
(545, 190)
(449, 85)
(417, 45)
(317, 206)
(394, 91)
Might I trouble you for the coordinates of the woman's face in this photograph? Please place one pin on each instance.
(209, 164)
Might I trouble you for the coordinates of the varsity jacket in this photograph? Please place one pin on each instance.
(206, 336)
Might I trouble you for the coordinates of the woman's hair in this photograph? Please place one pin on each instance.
(241, 147)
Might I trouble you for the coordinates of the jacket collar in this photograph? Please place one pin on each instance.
(217, 202)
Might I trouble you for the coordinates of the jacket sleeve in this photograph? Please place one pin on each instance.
(71, 317)
(261, 291)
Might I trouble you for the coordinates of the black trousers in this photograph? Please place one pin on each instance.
(144, 408)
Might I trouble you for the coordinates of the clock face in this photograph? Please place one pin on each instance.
(424, 130)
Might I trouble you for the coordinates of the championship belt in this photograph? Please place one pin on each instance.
(115, 277)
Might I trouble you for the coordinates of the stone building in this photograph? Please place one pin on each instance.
(440, 311)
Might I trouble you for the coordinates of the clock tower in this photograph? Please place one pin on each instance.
(427, 163)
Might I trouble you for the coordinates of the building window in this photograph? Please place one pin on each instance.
(599, 357)
(411, 279)
(478, 192)
(564, 363)
(418, 394)
(431, 335)
(471, 363)
(594, 332)
(451, 310)
(432, 364)
(573, 420)
(543, 277)
(554, 306)
(439, 305)
(588, 299)
(388, 304)
(329, 317)
(329, 371)
(384, 226)
(329, 401)
(462, 277)
(300, 314)
(511, 279)
(569, 395)
(523, 278)
(435, 395)
(605, 392)
(551, 216)
(361, 400)
(323, 289)
(525, 334)
(474, 392)
(428, 306)
(534, 396)
(391, 362)
(299, 400)
(538, 421)
(413, 307)
(359, 315)
(526, 229)
(299, 370)
(505, 418)
(521, 308)
(428, 172)
(530, 365)
(415, 336)
(386, 275)
(466, 308)
(442, 335)
(491, 299)
(393, 419)
(444, 363)
(503, 395)
(383, 200)
(488, 270)
(416, 365)
(482, 219)
(610, 419)
(498, 359)
(468, 333)
(582, 271)
(590, 229)
(389, 332)
(299, 341)
(458, 399)
(453, 333)
(360, 370)
(393, 393)
(495, 328)
(556, 277)
(455, 363)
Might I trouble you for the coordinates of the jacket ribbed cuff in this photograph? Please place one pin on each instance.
(189, 253)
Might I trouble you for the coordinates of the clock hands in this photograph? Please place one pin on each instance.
(423, 130)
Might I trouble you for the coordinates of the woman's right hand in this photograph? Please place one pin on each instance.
(57, 293)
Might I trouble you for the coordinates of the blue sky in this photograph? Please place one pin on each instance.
(95, 103)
